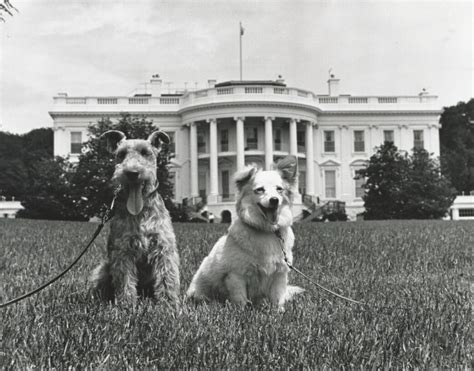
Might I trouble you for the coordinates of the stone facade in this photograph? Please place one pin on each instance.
(219, 129)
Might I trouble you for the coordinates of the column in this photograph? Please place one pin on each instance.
(293, 138)
(268, 142)
(213, 162)
(240, 142)
(372, 141)
(406, 143)
(309, 159)
(193, 157)
(294, 152)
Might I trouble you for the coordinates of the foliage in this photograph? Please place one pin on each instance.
(399, 186)
(430, 193)
(6, 7)
(420, 271)
(386, 175)
(49, 194)
(91, 179)
(457, 145)
(19, 157)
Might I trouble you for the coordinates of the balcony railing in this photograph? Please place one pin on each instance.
(281, 91)
(76, 100)
(239, 93)
(225, 91)
(169, 100)
(387, 100)
(254, 90)
(136, 100)
(325, 100)
(359, 100)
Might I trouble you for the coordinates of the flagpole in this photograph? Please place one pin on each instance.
(240, 39)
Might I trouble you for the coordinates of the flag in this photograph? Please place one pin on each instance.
(241, 30)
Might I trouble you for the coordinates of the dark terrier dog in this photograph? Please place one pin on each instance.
(142, 258)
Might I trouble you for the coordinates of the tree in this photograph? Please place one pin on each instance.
(49, 195)
(6, 7)
(91, 180)
(19, 155)
(399, 186)
(385, 175)
(431, 194)
(457, 145)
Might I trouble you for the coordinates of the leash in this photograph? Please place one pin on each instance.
(104, 219)
(285, 257)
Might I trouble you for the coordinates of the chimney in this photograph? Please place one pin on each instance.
(280, 79)
(423, 94)
(211, 83)
(333, 86)
(155, 85)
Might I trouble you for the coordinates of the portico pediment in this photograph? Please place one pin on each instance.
(330, 162)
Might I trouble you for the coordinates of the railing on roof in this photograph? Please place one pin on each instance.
(246, 92)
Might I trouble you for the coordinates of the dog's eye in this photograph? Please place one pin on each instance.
(145, 152)
(280, 189)
(121, 155)
(259, 190)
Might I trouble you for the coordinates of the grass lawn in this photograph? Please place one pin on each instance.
(423, 270)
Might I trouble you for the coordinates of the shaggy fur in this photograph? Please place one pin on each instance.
(142, 258)
(246, 266)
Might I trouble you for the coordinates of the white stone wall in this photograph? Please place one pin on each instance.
(342, 114)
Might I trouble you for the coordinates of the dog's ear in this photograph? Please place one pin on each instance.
(288, 169)
(242, 177)
(158, 137)
(114, 137)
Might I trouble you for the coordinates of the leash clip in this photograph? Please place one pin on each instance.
(107, 215)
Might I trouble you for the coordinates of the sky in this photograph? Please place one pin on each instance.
(111, 47)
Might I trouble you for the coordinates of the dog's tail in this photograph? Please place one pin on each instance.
(292, 291)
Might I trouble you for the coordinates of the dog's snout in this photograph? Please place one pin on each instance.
(274, 201)
(132, 175)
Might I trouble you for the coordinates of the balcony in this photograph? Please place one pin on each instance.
(266, 93)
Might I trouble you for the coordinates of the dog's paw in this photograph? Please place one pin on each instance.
(292, 291)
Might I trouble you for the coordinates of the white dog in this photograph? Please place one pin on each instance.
(247, 265)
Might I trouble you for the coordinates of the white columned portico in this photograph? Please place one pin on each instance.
(240, 142)
(268, 142)
(293, 137)
(213, 162)
(193, 157)
(309, 158)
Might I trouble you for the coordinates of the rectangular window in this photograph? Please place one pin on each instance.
(277, 140)
(225, 184)
(359, 190)
(330, 183)
(359, 142)
(300, 140)
(302, 182)
(418, 142)
(224, 140)
(388, 136)
(251, 138)
(201, 143)
(202, 184)
(464, 213)
(329, 143)
(172, 144)
(76, 142)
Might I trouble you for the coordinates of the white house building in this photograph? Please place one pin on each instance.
(219, 129)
